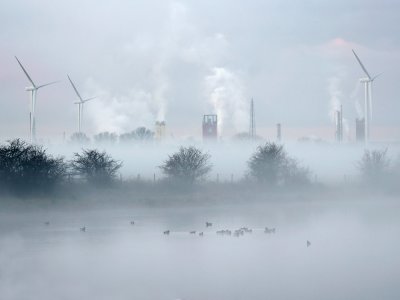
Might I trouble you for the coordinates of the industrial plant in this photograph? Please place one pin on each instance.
(210, 124)
(210, 127)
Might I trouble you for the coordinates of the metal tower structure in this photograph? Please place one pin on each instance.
(252, 127)
(339, 125)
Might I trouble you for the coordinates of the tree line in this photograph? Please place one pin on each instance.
(27, 167)
(140, 134)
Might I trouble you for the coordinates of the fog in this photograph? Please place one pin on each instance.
(329, 162)
(146, 202)
(141, 238)
(353, 252)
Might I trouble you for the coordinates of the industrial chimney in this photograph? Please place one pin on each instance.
(278, 132)
(252, 127)
(160, 130)
(339, 125)
(210, 127)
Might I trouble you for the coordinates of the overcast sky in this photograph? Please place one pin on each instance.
(177, 60)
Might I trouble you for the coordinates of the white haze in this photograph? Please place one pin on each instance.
(174, 60)
(329, 163)
(353, 252)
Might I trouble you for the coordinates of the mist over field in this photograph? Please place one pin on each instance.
(143, 239)
(353, 253)
(330, 162)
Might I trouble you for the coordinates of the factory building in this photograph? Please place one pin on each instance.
(210, 127)
(160, 130)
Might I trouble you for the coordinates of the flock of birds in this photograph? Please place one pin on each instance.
(237, 232)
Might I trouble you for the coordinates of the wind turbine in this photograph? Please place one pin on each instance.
(33, 90)
(368, 97)
(80, 103)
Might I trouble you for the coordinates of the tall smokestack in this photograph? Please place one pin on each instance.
(278, 132)
(339, 125)
(252, 129)
(160, 130)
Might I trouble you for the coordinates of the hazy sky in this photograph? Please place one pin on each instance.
(177, 60)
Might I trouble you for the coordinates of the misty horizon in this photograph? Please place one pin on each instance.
(194, 61)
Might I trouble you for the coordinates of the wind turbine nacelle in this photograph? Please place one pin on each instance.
(364, 80)
(29, 88)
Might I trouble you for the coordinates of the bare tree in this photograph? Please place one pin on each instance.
(374, 165)
(97, 167)
(106, 137)
(294, 173)
(80, 138)
(26, 167)
(187, 165)
(139, 134)
(271, 165)
(267, 163)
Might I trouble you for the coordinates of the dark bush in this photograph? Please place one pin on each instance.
(95, 166)
(26, 167)
(374, 165)
(80, 138)
(271, 165)
(139, 134)
(188, 165)
(106, 138)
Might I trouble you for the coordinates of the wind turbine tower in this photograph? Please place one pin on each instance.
(367, 81)
(80, 104)
(252, 127)
(33, 91)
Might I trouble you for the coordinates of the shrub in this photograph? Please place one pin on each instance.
(271, 165)
(106, 137)
(26, 167)
(80, 138)
(95, 166)
(188, 165)
(139, 134)
(374, 165)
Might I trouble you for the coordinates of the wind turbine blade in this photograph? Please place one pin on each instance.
(76, 91)
(43, 85)
(376, 76)
(86, 100)
(361, 64)
(26, 73)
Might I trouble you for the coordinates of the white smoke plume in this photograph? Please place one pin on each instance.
(120, 112)
(226, 94)
(356, 99)
(335, 101)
